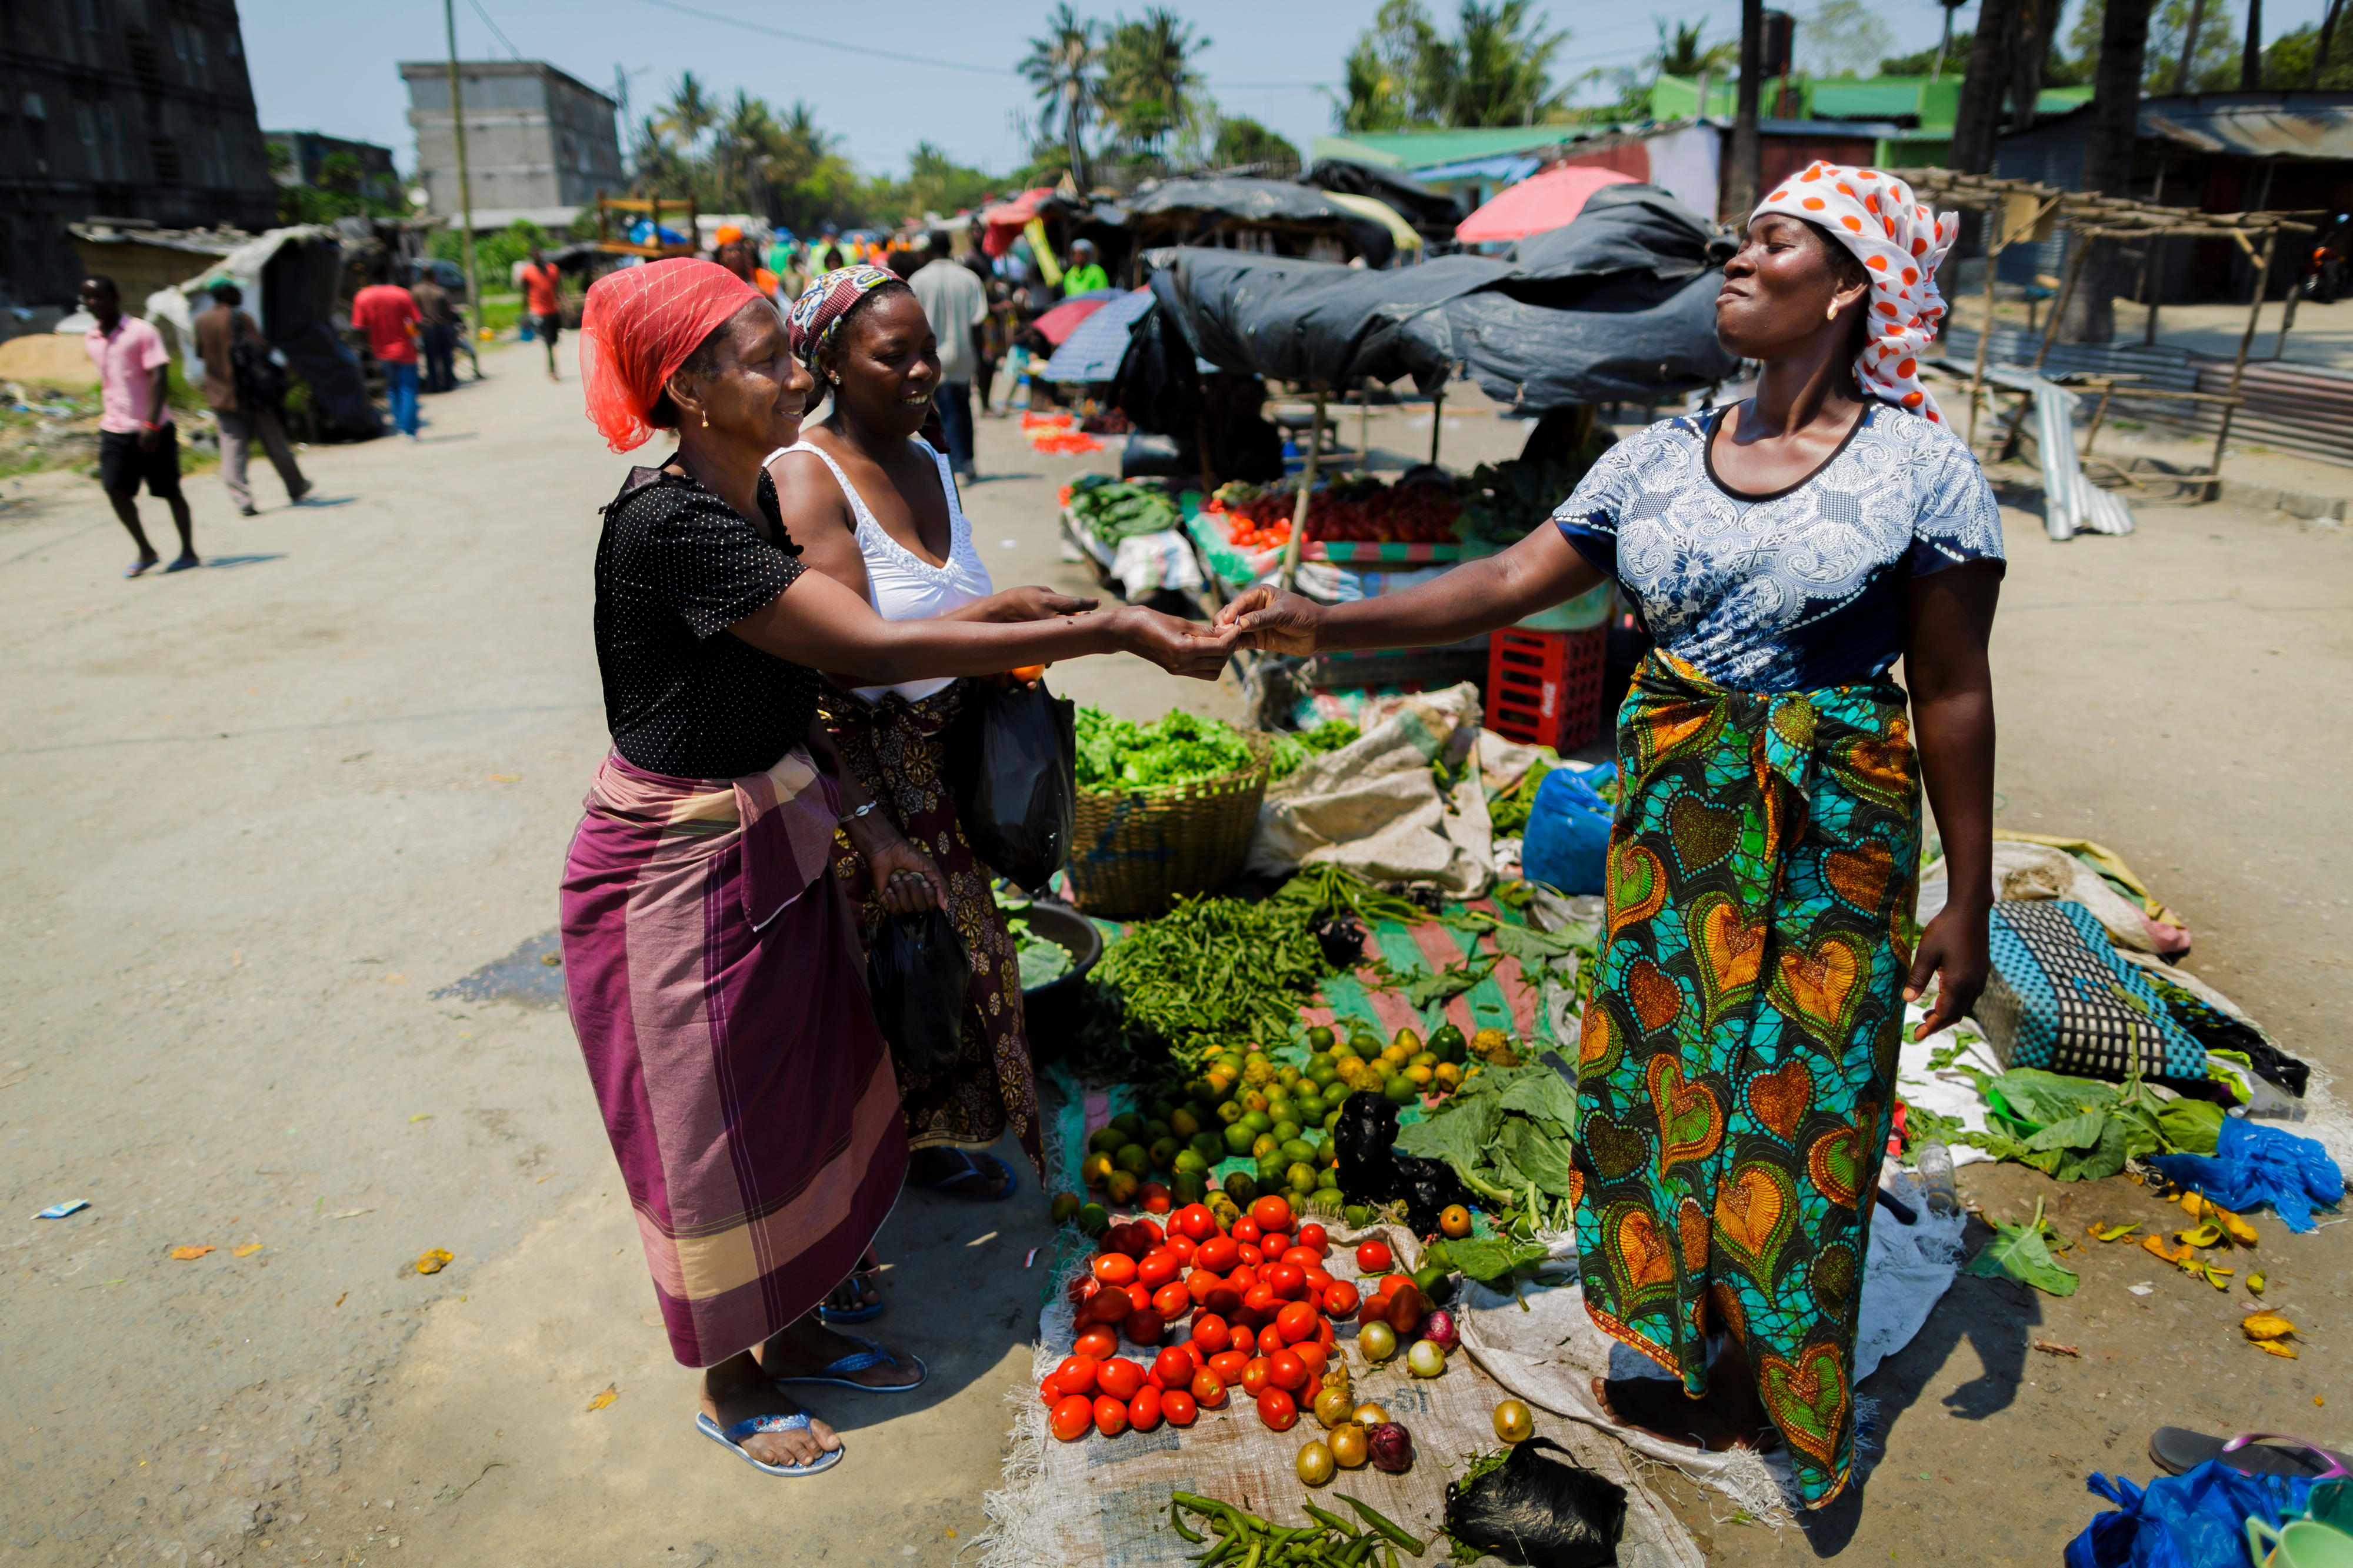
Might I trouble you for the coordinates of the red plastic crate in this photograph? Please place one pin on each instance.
(1545, 687)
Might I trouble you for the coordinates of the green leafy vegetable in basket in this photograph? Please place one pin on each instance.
(1214, 973)
(1292, 750)
(1115, 509)
(1179, 749)
(1042, 958)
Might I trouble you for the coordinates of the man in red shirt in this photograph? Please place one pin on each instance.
(136, 439)
(387, 315)
(539, 299)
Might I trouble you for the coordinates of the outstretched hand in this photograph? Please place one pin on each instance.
(1953, 953)
(1178, 647)
(1273, 621)
(904, 879)
(1035, 602)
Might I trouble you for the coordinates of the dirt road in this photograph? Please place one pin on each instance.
(266, 814)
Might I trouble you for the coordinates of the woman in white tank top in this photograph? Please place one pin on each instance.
(873, 506)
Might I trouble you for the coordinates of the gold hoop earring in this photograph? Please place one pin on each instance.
(706, 419)
(1831, 314)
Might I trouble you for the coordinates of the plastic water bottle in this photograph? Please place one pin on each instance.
(1935, 1170)
(2269, 1104)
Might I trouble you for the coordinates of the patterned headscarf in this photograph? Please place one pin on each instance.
(640, 324)
(829, 296)
(1900, 242)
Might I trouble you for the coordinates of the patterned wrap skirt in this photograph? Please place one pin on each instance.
(898, 750)
(1736, 1066)
(713, 974)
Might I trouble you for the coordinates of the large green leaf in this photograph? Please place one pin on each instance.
(1426, 989)
(1544, 1160)
(1540, 1091)
(1460, 1136)
(2078, 1132)
(1486, 1260)
(2022, 1253)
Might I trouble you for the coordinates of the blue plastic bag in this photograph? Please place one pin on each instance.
(2193, 1521)
(2254, 1164)
(1566, 845)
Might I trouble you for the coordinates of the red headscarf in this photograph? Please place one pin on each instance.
(638, 326)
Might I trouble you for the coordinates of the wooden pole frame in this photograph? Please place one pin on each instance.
(1299, 507)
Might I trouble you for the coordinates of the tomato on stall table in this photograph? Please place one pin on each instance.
(1194, 1353)
(1114, 1268)
(1134, 1239)
(1302, 1258)
(1049, 1391)
(1219, 1254)
(1195, 1221)
(1107, 1306)
(1252, 1255)
(1256, 1374)
(1260, 1300)
(1138, 1297)
(1172, 1368)
(1244, 1338)
(1226, 1366)
(1178, 1405)
(1285, 1279)
(1172, 1300)
(1243, 1229)
(1077, 1374)
(1286, 1370)
(1313, 1355)
(1318, 1281)
(1210, 1334)
(1275, 1244)
(1272, 1211)
(1100, 1343)
(1144, 1410)
(1209, 1390)
(1313, 1235)
(1151, 1232)
(1374, 1257)
(1407, 1308)
(1155, 1198)
(1277, 1409)
(1158, 1267)
(1181, 1247)
(1340, 1299)
(1111, 1415)
(1297, 1321)
(1072, 1417)
(1120, 1378)
(1145, 1326)
(1222, 1297)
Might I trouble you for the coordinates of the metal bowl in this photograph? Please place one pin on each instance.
(1053, 1012)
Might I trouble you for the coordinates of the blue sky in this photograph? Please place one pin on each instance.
(334, 67)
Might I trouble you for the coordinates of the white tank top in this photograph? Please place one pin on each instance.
(900, 585)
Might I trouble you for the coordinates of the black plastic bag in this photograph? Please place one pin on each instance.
(1013, 764)
(1539, 1510)
(1373, 1172)
(917, 973)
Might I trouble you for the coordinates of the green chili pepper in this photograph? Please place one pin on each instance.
(1331, 1520)
(1257, 1547)
(1177, 1520)
(1379, 1522)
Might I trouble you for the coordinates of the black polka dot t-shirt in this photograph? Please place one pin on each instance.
(676, 567)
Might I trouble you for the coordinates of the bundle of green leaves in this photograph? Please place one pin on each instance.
(1290, 751)
(1507, 1133)
(2077, 1130)
(1178, 749)
(1115, 510)
(1213, 972)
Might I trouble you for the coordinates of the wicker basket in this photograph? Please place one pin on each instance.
(1134, 853)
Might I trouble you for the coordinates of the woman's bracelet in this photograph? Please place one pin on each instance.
(861, 811)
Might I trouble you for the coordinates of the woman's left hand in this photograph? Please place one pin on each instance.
(904, 879)
(1035, 602)
(1953, 953)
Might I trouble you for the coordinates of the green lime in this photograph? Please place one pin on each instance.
(1106, 1140)
(1328, 1179)
(1241, 1188)
(1332, 1117)
(1270, 1169)
(1278, 1106)
(1421, 1059)
(1400, 1090)
(1285, 1131)
(1184, 1123)
(1319, 1038)
(1409, 1039)
(1357, 1215)
(1159, 1110)
(1300, 1177)
(1286, 1075)
(1189, 1161)
(1238, 1138)
(1066, 1207)
(1153, 1131)
(1129, 1123)
(1262, 1145)
(1232, 1063)
(1258, 1122)
(1230, 1112)
(1189, 1187)
(1094, 1219)
(1298, 1149)
(1323, 1071)
(1164, 1154)
(1309, 1108)
(1210, 1146)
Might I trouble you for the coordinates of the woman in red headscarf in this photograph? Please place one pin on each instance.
(711, 961)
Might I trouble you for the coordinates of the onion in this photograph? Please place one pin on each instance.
(1441, 1330)
(1426, 1360)
(1377, 1341)
(1392, 1448)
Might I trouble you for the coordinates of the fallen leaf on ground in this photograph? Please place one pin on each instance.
(2265, 1326)
(2048, 1348)
(351, 1214)
(422, 1116)
(189, 1253)
(505, 778)
(2112, 1232)
(2240, 1230)
(2255, 1281)
(339, 1299)
(247, 1250)
(2275, 1348)
(434, 1260)
(611, 1393)
(2219, 1278)
(2022, 1253)
(2155, 1247)
(2204, 1236)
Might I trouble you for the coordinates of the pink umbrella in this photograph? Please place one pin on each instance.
(1059, 324)
(1546, 201)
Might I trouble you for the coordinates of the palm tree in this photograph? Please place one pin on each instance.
(1065, 67)
(740, 150)
(690, 111)
(1150, 87)
(1503, 71)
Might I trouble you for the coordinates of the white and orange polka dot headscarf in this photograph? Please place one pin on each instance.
(1900, 242)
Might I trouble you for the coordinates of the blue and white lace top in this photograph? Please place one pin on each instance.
(1796, 590)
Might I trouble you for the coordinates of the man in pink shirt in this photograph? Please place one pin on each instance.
(136, 439)
(388, 315)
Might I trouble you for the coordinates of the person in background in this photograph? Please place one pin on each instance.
(544, 302)
(996, 338)
(437, 336)
(1086, 273)
(242, 409)
(387, 316)
(137, 441)
(956, 307)
(742, 258)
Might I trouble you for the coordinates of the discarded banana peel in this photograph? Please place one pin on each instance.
(2186, 1258)
(2276, 1348)
(2204, 1236)
(2111, 1232)
(2237, 1229)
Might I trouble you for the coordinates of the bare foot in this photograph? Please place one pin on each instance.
(1716, 1422)
(734, 1394)
(809, 1347)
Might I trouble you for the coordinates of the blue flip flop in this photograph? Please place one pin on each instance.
(732, 1438)
(864, 1313)
(837, 1374)
(975, 1165)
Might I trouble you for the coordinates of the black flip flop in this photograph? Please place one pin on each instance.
(981, 1166)
(2178, 1450)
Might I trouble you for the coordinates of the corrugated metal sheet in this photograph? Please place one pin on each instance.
(2317, 125)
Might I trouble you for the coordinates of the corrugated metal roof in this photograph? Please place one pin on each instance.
(1429, 149)
(2315, 125)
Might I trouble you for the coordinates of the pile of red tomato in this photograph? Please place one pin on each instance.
(1408, 514)
(1260, 1306)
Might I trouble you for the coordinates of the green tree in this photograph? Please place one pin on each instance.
(1404, 74)
(1682, 54)
(689, 112)
(1503, 71)
(2288, 63)
(1841, 37)
(935, 183)
(1152, 92)
(1920, 63)
(341, 190)
(1064, 68)
(1243, 143)
(2215, 68)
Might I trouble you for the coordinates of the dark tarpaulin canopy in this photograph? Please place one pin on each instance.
(1619, 305)
(1191, 207)
(1434, 212)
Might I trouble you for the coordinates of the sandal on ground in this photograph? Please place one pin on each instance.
(859, 1312)
(837, 1374)
(183, 564)
(984, 1167)
(140, 568)
(732, 1438)
(2177, 1450)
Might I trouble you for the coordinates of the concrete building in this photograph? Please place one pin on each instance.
(129, 108)
(540, 144)
(300, 158)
